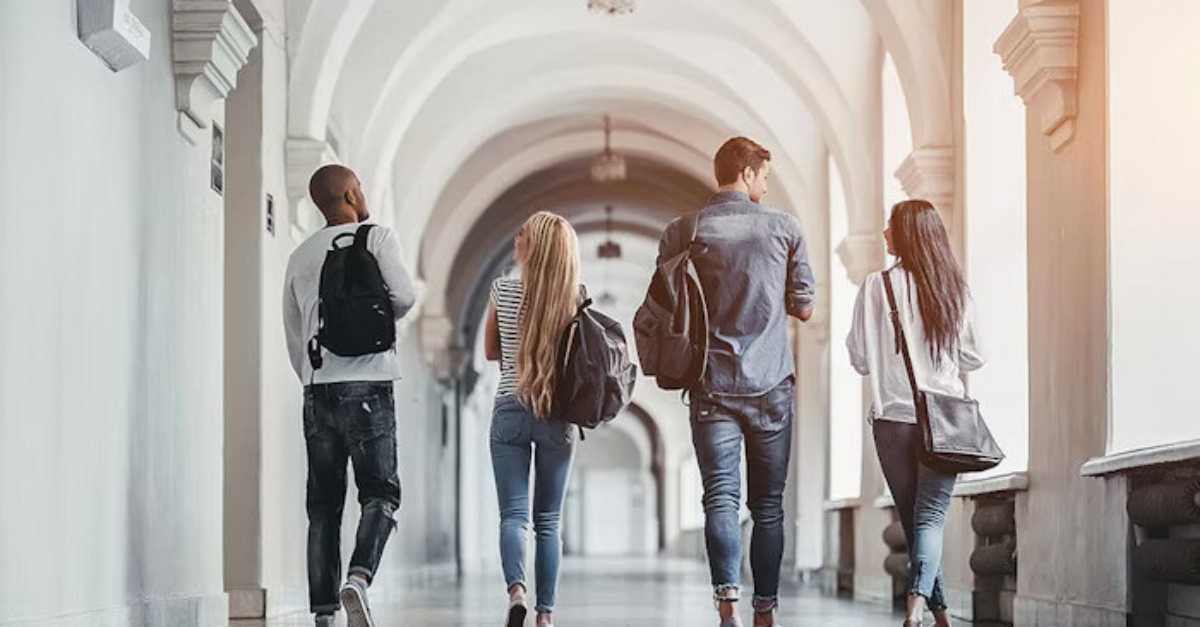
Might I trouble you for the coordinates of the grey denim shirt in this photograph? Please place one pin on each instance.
(753, 265)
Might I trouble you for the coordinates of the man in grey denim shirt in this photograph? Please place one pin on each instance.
(753, 266)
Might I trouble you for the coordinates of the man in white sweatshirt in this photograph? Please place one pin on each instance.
(349, 407)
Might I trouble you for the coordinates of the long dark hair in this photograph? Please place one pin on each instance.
(920, 240)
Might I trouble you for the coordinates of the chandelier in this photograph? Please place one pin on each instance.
(608, 166)
(612, 7)
(607, 250)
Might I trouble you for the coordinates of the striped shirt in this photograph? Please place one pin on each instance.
(508, 294)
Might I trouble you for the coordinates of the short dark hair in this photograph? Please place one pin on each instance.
(735, 156)
(328, 185)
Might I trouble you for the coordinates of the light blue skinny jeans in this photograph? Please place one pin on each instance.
(518, 438)
(922, 496)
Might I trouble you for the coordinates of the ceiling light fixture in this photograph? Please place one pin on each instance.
(612, 7)
(608, 166)
(608, 249)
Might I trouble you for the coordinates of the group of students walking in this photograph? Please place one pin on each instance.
(913, 335)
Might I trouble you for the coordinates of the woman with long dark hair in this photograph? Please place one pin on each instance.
(938, 320)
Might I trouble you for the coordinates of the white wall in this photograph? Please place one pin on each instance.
(110, 377)
(995, 228)
(846, 413)
(1154, 131)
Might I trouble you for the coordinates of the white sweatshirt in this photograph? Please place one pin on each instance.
(301, 294)
(872, 347)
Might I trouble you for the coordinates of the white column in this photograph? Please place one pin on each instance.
(810, 449)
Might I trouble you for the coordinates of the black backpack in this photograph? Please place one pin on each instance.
(671, 326)
(595, 376)
(354, 311)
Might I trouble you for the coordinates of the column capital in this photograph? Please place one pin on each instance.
(210, 42)
(928, 173)
(438, 343)
(1040, 49)
(303, 156)
(861, 254)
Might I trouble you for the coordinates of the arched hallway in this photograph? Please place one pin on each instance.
(157, 156)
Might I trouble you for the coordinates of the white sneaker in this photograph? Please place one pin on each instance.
(354, 600)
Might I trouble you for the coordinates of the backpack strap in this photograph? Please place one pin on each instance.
(360, 235)
(691, 225)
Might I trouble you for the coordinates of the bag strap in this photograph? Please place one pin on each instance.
(360, 236)
(693, 225)
(901, 339)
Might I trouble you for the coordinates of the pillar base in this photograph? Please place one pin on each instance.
(1034, 612)
(201, 611)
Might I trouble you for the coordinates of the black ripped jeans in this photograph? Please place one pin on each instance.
(354, 420)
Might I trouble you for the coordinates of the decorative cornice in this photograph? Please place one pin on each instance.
(861, 255)
(1040, 49)
(211, 42)
(928, 173)
(303, 156)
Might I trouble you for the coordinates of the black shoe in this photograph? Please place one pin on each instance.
(517, 611)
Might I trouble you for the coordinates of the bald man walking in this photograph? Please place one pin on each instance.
(349, 407)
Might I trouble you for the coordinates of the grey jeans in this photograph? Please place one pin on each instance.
(922, 496)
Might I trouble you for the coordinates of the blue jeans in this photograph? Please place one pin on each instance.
(353, 421)
(922, 496)
(517, 438)
(720, 425)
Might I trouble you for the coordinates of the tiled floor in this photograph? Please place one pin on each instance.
(607, 593)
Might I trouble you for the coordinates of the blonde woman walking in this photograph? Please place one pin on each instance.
(526, 317)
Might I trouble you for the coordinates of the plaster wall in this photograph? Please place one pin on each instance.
(1153, 97)
(111, 377)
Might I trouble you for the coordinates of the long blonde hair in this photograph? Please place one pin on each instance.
(551, 280)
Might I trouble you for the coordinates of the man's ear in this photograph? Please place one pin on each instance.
(350, 198)
(747, 174)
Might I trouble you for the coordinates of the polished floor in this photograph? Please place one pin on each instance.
(607, 593)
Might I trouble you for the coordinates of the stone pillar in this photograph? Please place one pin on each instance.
(809, 482)
(1073, 535)
(243, 346)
